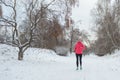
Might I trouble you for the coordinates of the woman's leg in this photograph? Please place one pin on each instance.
(80, 60)
(77, 60)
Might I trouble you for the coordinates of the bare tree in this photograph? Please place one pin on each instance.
(13, 22)
(35, 16)
(15, 37)
(108, 27)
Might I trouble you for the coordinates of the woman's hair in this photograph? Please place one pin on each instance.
(80, 39)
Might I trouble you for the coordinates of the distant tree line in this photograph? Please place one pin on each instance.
(47, 24)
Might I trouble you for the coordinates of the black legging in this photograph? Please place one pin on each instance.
(79, 58)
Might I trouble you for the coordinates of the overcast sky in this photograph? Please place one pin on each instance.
(83, 12)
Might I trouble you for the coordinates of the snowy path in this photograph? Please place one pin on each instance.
(94, 68)
(41, 64)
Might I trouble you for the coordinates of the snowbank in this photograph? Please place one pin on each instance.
(8, 52)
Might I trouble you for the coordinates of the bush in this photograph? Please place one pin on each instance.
(62, 51)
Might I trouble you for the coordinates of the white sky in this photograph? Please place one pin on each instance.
(83, 12)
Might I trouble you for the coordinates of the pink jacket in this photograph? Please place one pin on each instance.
(79, 47)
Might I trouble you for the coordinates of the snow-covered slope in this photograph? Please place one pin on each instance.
(42, 64)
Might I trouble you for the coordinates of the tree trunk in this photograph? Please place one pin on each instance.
(56, 40)
(71, 46)
(71, 41)
(0, 11)
(20, 54)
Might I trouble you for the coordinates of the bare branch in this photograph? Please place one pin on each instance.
(8, 21)
(1, 1)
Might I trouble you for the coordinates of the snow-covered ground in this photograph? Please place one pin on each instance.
(41, 64)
